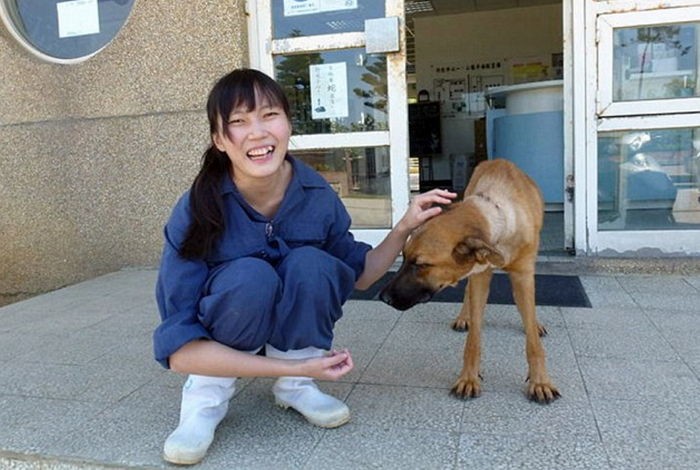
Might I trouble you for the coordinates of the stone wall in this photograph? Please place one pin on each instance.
(94, 155)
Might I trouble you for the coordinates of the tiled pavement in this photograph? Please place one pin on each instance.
(79, 387)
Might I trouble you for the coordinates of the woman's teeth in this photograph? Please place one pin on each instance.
(260, 152)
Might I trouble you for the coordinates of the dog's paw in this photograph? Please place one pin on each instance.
(541, 330)
(460, 324)
(466, 388)
(543, 393)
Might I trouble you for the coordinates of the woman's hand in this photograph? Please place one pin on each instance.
(423, 207)
(330, 367)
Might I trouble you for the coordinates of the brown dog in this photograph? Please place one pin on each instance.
(496, 225)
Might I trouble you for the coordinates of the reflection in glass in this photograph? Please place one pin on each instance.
(655, 62)
(322, 17)
(649, 180)
(366, 84)
(40, 23)
(360, 176)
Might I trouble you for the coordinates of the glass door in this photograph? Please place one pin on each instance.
(646, 136)
(342, 64)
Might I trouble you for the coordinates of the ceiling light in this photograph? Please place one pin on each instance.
(420, 6)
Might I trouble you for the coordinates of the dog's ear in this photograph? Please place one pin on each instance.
(473, 249)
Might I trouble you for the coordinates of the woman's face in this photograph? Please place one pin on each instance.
(256, 140)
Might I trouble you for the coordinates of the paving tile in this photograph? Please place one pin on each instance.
(639, 340)
(604, 317)
(386, 406)
(651, 433)
(356, 446)
(666, 285)
(418, 355)
(363, 339)
(32, 425)
(606, 291)
(689, 302)
(531, 451)
(628, 379)
(131, 432)
(505, 414)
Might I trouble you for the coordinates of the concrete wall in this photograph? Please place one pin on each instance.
(93, 156)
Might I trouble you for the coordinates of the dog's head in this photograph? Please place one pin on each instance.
(443, 251)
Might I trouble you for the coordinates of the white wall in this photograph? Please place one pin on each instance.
(512, 33)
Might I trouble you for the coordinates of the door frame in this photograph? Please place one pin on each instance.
(263, 48)
(596, 19)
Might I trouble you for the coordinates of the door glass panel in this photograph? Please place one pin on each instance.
(655, 62)
(649, 180)
(360, 176)
(348, 88)
(293, 18)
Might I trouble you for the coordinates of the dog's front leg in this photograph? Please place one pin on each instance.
(540, 386)
(468, 384)
(461, 323)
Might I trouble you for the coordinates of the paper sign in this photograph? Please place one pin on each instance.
(329, 90)
(308, 7)
(77, 18)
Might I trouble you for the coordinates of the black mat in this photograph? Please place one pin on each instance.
(551, 290)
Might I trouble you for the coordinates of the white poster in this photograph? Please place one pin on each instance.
(329, 90)
(77, 18)
(308, 7)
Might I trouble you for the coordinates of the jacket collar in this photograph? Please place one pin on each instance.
(301, 175)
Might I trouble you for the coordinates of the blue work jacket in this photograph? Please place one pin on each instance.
(311, 214)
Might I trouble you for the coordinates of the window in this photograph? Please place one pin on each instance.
(649, 179)
(648, 62)
(64, 31)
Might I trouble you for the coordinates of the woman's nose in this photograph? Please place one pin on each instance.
(257, 128)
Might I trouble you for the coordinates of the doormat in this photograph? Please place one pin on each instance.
(550, 290)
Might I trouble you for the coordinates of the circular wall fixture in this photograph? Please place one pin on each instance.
(64, 31)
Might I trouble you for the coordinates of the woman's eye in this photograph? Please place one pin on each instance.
(235, 121)
(271, 114)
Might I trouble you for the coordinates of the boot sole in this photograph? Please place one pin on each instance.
(321, 424)
(183, 460)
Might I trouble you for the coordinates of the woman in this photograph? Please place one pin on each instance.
(258, 254)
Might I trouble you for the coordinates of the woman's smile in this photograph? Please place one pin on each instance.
(261, 153)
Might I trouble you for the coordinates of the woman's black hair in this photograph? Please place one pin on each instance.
(234, 90)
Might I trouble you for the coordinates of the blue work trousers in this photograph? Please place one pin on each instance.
(293, 304)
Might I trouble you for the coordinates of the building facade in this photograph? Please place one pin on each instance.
(98, 139)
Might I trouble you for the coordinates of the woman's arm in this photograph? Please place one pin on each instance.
(205, 357)
(381, 257)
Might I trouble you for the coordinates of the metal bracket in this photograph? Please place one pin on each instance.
(382, 35)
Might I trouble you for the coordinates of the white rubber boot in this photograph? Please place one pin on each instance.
(302, 394)
(204, 404)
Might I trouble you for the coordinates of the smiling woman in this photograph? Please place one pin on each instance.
(64, 32)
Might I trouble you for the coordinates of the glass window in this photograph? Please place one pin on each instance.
(360, 176)
(62, 31)
(649, 180)
(293, 18)
(348, 89)
(655, 62)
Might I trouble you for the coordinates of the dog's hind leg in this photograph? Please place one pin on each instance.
(468, 385)
(540, 387)
(461, 323)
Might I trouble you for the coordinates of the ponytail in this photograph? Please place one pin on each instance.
(206, 206)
